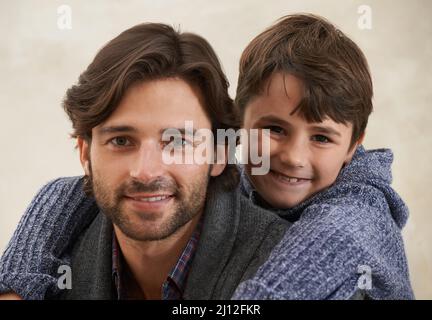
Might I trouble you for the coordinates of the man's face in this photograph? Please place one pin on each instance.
(146, 198)
(305, 158)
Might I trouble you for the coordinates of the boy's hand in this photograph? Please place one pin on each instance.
(10, 296)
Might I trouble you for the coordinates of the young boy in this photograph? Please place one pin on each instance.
(307, 83)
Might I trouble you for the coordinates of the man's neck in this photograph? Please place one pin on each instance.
(150, 262)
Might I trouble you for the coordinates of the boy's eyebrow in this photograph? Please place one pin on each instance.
(274, 119)
(319, 128)
(117, 129)
(326, 130)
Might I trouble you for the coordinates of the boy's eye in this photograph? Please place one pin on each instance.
(120, 142)
(320, 138)
(275, 129)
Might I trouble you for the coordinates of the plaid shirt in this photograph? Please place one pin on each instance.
(173, 287)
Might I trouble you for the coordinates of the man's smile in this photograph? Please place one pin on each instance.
(149, 197)
(148, 203)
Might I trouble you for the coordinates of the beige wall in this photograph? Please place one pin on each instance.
(38, 62)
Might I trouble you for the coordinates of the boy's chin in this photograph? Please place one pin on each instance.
(283, 202)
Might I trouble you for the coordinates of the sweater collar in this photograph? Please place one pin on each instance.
(220, 227)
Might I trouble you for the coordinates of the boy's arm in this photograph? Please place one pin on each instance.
(39, 246)
(320, 255)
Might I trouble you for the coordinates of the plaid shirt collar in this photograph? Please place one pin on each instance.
(173, 287)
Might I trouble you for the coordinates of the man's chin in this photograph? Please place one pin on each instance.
(141, 225)
(147, 231)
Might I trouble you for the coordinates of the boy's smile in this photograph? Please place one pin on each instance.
(305, 157)
(288, 180)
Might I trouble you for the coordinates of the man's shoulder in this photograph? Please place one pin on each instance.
(91, 259)
(61, 192)
(237, 237)
(63, 183)
(259, 231)
(57, 187)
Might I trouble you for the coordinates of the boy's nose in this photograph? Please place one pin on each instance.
(147, 163)
(293, 154)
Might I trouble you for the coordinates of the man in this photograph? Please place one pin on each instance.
(159, 231)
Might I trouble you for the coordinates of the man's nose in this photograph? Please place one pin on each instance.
(147, 163)
(293, 153)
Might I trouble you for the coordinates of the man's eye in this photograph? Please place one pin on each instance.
(180, 143)
(120, 142)
(320, 138)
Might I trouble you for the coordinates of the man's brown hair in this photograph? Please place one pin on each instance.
(146, 52)
(333, 69)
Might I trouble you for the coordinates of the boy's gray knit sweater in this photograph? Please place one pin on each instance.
(339, 234)
(355, 222)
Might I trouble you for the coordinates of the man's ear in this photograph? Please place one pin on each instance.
(354, 148)
(84, 150)
(217, 168)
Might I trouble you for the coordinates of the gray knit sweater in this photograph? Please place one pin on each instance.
(356, 222)
(353, 226)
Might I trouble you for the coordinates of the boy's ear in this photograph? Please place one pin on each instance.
(84, 149)
(354, 148)
(360, 140)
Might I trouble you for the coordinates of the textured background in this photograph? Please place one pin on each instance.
(39, 61)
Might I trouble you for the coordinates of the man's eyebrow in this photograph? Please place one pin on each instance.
(326, 130)
(117, 129)
(181, 130)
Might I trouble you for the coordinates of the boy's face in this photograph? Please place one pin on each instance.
(305, 158)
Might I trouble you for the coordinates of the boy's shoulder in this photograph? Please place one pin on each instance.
(368, 167)
(364, 185)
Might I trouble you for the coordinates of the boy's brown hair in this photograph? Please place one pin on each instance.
(335, 73)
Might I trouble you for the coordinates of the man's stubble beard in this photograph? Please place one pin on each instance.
(188, 203)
